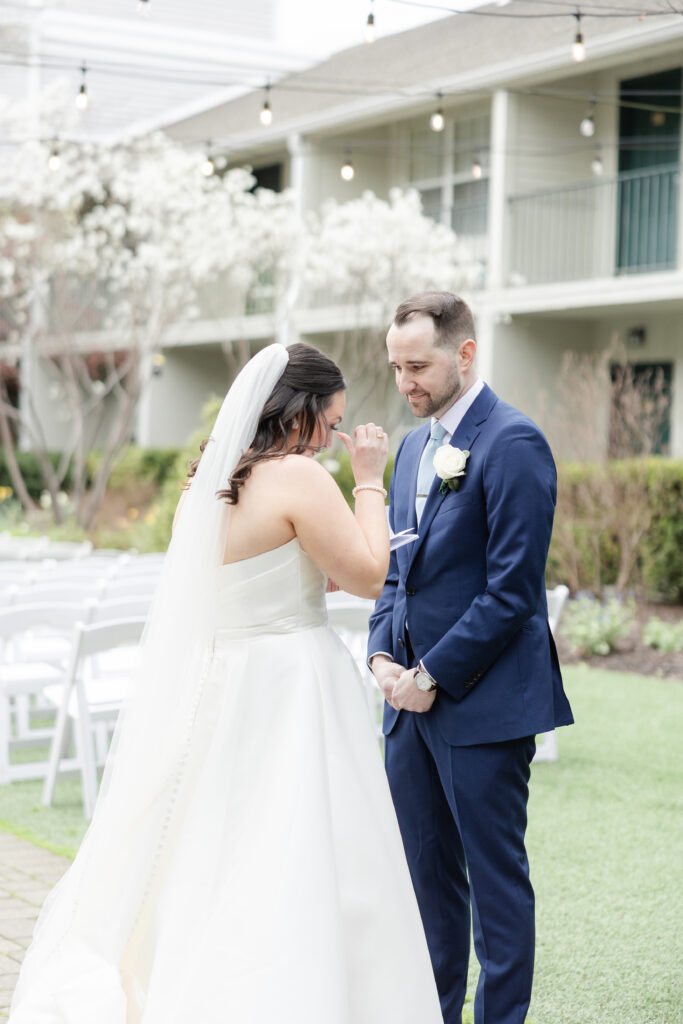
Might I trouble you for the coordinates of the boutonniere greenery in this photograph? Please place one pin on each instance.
(450, 464)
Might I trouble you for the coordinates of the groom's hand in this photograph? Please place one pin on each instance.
(407, 697)
(386, 672)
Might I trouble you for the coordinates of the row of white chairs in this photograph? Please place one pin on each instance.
(47, 668)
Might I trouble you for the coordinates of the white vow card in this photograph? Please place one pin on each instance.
(397, 540)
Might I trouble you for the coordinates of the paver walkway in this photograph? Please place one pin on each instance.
(27, 874)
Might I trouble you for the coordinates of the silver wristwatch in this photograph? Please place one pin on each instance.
(423, 680)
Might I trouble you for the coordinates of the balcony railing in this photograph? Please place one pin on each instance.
(605, 228)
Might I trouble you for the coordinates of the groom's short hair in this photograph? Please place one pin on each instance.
(452, 317)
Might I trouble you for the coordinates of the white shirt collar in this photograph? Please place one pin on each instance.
(452, 418)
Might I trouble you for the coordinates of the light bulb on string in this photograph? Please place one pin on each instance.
(596, 164)
(587, 126)
(437, 122)
(477, 169)
(578, 48)
(54, 161)
(266, 115)
(208, 166)
(347, 170)
(82, 97)
(143, 8)
(370, 26)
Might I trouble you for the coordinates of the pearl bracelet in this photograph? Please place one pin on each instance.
(369, 487)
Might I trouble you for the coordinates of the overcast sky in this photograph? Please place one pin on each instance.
(325, 26)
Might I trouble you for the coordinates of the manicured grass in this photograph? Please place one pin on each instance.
(604, 845)
(59, 828)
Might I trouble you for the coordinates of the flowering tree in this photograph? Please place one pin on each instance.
(102, 249)
(369, 254)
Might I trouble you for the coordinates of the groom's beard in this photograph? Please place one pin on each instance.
(435, 403)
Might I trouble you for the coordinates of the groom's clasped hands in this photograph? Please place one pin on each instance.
(398, 685)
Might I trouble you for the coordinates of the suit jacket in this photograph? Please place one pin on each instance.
(471, 590)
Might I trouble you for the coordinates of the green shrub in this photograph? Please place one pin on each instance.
(664, 636)
(31, 471)
(620, 524)
(595, 628)
(144, 465)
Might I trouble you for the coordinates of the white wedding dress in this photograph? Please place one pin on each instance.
(282, 895)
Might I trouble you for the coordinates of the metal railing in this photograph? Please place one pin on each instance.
(604, 228)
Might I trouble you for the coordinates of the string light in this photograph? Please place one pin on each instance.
(266, 115)
(587, 126)
(82, 97)
(54, 160)
(437, 121)
(208, 167)
(347, 171)
(143, 8)
(477, 170)
(578, 49)
(370, 26)
(596, 165)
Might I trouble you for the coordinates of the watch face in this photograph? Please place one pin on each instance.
(423, 682)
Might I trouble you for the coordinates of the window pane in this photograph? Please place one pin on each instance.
(431, 203)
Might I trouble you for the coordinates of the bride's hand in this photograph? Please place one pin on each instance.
(368, 451)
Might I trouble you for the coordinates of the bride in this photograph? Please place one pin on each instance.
(244, 864)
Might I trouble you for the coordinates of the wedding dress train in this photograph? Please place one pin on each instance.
(281, 894)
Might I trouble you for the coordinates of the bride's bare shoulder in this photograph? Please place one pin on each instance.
(294, 469)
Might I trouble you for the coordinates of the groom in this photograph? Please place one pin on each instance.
(460, 645)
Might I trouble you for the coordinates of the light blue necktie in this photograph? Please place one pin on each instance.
(425, 474)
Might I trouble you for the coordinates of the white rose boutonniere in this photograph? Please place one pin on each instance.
(450, 464)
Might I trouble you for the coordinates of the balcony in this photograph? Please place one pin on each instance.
(601, 229)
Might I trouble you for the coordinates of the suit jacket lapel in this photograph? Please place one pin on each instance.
(464, 437)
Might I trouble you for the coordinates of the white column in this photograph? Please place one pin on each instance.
(498, 191)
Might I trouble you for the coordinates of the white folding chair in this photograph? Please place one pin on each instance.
(44, 592)
(23, 682)
(348, 616)
(86, 700)
(137, 586)
(120, 608)
(546, 742)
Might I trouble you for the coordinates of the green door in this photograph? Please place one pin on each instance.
(649, 154)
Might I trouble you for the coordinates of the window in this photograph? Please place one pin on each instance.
(640, 415)
(269, 177)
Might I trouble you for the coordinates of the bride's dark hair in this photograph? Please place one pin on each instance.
(303, 392)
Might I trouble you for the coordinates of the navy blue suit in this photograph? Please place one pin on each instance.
(468, 598)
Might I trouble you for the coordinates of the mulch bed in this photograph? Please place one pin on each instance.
(632, 655)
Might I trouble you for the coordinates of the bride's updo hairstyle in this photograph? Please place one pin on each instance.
(302, 394)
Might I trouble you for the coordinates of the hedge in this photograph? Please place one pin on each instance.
(605, 510)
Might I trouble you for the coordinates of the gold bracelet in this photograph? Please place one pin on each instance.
(369, 487)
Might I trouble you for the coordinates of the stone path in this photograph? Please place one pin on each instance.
(27, 874)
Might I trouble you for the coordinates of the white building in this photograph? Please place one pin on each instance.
(581, 236)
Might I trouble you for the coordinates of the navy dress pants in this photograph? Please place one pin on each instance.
(462, 813)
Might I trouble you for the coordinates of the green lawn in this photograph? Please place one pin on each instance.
(605, 848)
(604, 843)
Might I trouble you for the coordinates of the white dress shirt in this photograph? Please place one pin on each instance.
(453, 417)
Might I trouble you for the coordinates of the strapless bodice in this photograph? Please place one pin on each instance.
(278, 591)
